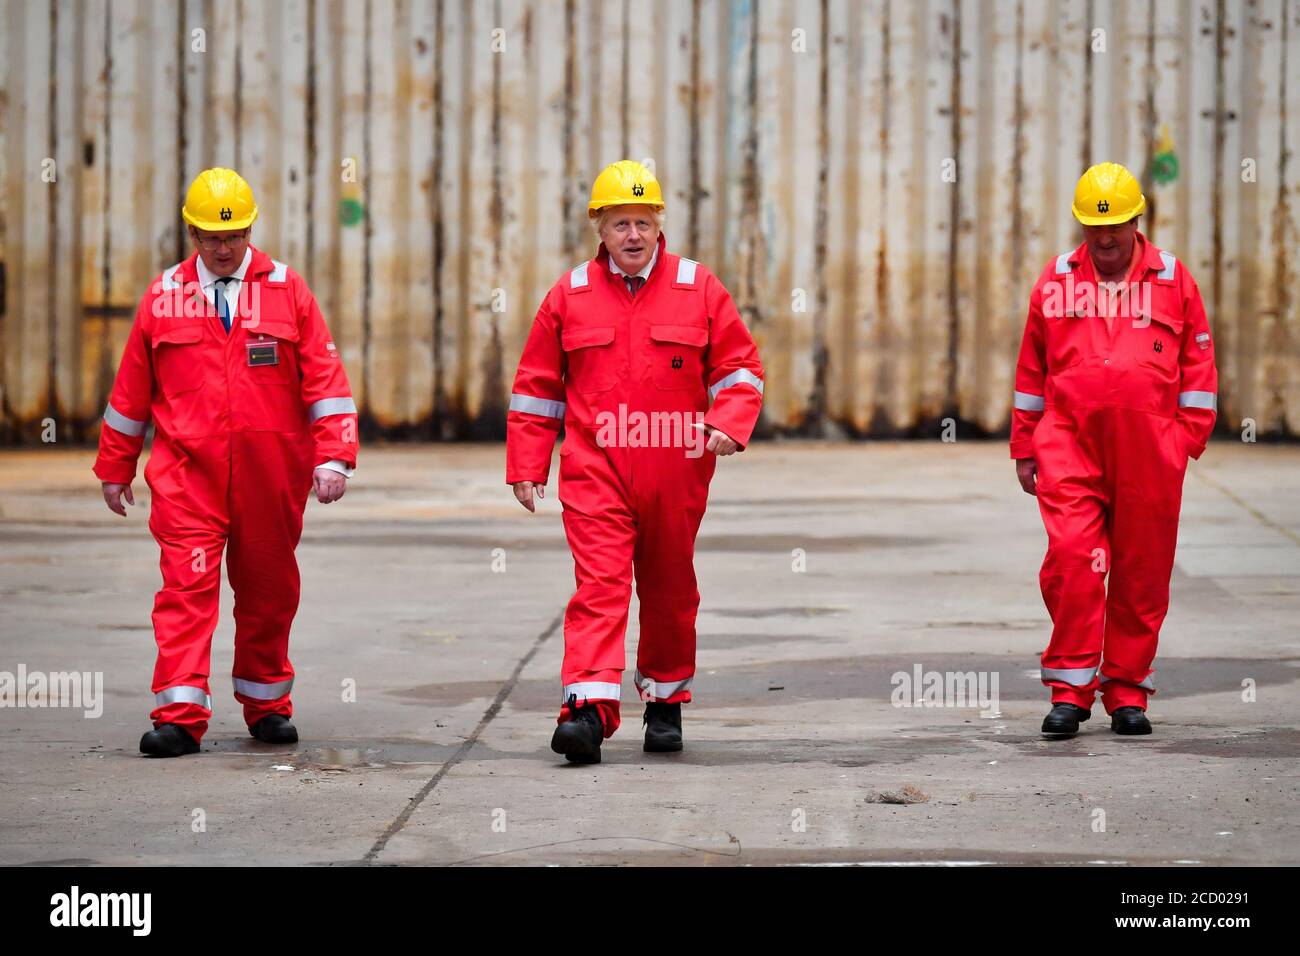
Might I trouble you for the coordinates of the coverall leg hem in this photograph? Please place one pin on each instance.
(1117, 693)
(255, 710)
(192, 718)
(1073, 695)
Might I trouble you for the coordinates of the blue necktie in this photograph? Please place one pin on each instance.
(223, 307)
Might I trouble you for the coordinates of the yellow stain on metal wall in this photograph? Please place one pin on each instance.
(877, 182)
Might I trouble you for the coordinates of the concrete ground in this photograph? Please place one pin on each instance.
(915, 555)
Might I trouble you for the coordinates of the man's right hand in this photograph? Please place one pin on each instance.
(524, 492)
(113, 495)
(1027, 472)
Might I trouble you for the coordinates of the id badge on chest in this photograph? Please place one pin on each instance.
(262, 351)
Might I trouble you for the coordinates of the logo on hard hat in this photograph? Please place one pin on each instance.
(638, 190)
(677, 361)
(225, 214)
(1159, 346)
(1103, 206)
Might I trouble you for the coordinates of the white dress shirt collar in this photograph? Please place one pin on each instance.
(207, 277)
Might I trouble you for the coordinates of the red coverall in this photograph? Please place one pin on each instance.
(241, 421)
(628, 504)
(1111, 412)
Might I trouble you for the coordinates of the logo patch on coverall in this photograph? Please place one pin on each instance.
(262, 352)
(1203, 340)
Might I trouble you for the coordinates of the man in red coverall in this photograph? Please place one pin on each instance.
(627, 351)
(1115, 388)
(230, 358)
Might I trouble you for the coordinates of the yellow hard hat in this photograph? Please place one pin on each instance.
(624, 182)
(218, 200)
(1107, 194)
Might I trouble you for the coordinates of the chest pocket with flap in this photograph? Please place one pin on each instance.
(677, 355)
(591, 358)
(179, 364)
(1157, 343)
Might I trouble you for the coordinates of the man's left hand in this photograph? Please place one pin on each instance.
(329, 485)
(719, 443)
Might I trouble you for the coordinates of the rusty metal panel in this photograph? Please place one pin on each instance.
(878, 182)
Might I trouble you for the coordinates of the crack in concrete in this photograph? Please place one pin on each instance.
(488, 715)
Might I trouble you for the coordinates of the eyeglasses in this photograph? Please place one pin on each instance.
(212, 243)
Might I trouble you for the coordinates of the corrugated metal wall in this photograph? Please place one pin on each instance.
(803, 147)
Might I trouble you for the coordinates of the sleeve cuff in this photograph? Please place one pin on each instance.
(115, 474)
(341, 467)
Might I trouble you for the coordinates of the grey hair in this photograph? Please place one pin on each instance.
(602, 217)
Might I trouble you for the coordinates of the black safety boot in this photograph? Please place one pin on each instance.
(579, 737)
(1064, 720)
(168, 740)
(1130, 721)
(275, 729)
(663, 728)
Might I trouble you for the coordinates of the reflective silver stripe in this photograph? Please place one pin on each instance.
(119, 422)
(1146, 682)
(1198, 400)
(1063, 263)
(578, 275)
(1074, 676)
(660, 689)
(1029, 403)
(591, 690)
(182, 694)
(331, 406)
(253, 689)
(279, 272)
(168, 281)
(739, 377)
(1168, 271)
(536, 406)
(686, 271)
